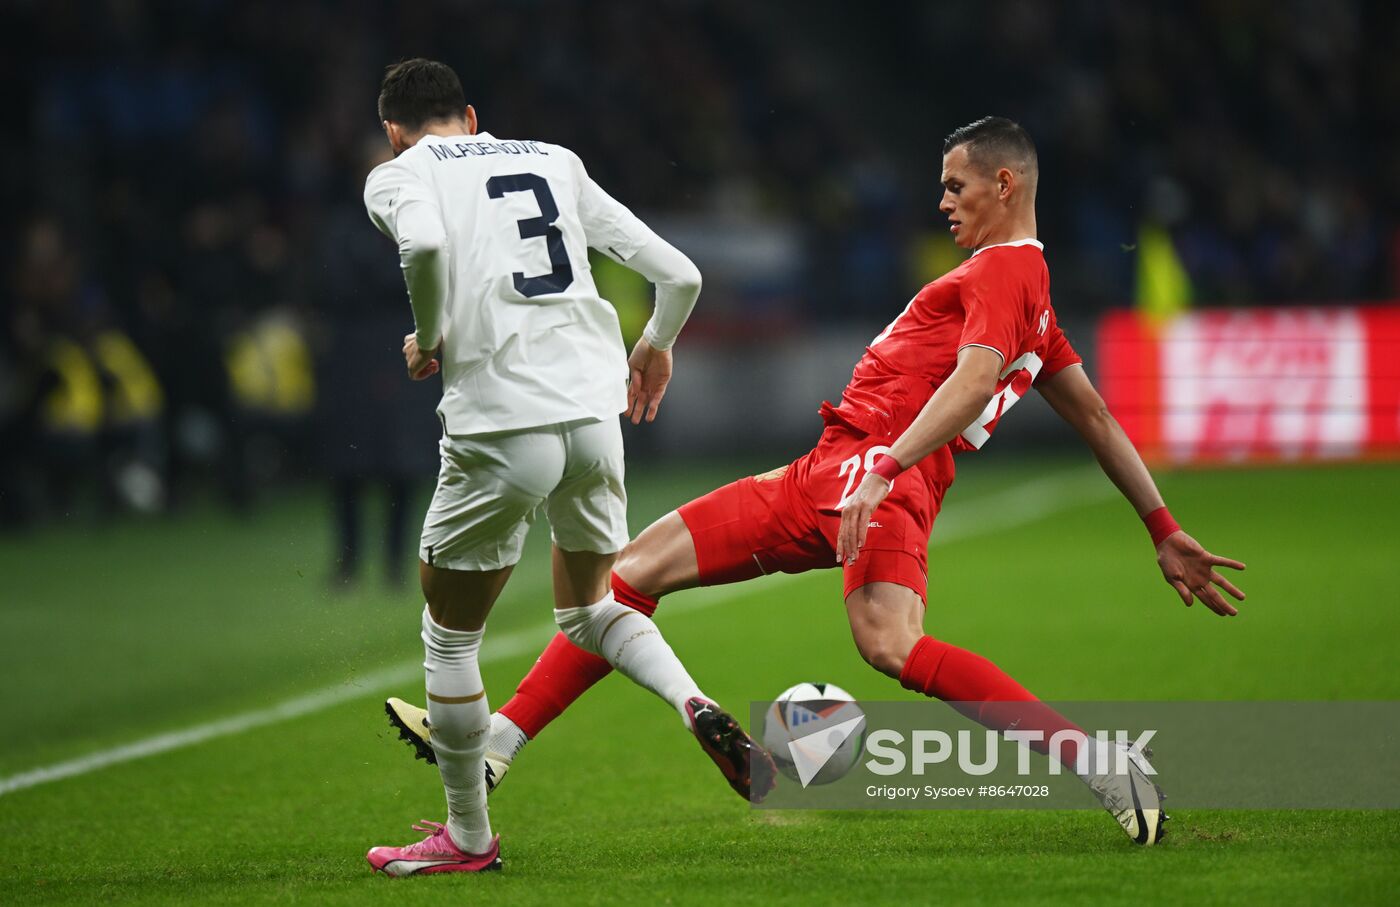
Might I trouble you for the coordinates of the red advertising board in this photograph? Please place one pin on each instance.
(1250, 385)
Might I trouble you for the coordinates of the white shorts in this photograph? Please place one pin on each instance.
(490, 489)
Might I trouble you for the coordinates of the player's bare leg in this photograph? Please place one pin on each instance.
(887, 621)
(580, 577)
(458, 602)
(660, 560)
(461, 599)
(887, 626)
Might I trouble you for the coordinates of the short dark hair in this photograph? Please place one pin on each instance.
(994, 142)
(419, 91)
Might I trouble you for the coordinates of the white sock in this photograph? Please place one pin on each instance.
(507, 739)
(632, 644)
(460, 718)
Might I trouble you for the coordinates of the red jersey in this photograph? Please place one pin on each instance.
(998, 299)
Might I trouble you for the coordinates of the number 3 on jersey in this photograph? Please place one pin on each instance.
(559, 279)
(852, 465)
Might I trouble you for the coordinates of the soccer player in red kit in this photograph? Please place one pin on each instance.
(935, 383)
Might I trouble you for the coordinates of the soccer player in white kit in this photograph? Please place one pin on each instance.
(493, 237)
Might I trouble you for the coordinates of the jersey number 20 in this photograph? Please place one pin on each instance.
(853, 465)
(558, 280)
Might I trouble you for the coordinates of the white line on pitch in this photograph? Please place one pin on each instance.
(1015, 506)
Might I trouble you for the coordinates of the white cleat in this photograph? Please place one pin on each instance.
(414, 729)
(496, 769)
(1133, 799)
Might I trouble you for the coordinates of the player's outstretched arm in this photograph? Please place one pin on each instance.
(1185, 564)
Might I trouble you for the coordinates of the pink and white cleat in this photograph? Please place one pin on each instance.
(435, 853)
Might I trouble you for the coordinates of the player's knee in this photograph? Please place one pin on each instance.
(636, 569)
(650, 563)
(885, 650)
(630, 566)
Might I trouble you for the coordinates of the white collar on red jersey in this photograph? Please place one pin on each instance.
(1015, 242)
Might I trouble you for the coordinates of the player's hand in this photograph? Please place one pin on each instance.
(649, 371)
(1190, 569)
(421, 363)
(855, 516)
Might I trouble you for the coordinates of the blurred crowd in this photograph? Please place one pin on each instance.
(192, 291)
(1261, 134)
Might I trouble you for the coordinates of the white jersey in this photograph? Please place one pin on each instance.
(526, 339)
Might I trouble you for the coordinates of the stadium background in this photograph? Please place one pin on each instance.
(203, 421)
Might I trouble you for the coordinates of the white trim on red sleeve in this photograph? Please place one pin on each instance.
(985, 347)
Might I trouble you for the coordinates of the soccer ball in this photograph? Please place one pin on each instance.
(815, 732)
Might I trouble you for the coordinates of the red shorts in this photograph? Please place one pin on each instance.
(787, 520)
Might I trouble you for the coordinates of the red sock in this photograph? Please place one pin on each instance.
(631, 597)
(561, 675)
(564, 672)
(983, 692)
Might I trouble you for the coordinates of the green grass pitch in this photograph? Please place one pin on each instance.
(112, 636)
